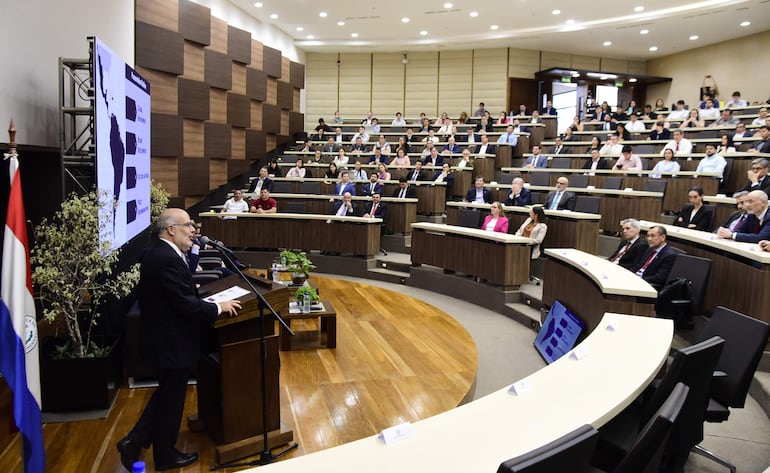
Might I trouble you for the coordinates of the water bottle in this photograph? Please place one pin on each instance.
(306, 305)
(275, 273)
(138, 467)
(283, 262)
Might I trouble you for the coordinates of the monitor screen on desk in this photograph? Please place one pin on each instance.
(559, 333)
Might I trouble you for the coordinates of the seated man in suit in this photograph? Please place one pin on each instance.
(537, 160)
(549, 108)
(558, 146)
(519, 195)
(265, 204)
(404, 190)
(359, 147)
(261, 182)
(484, 147)
(470, 137)
(595, 162)
(561, 198)
(478, 194)
(377, 157)
(377, 209)
(434, 159)
(656, 262)
(345, 207)
(345, 185)
(757, 225)
(451, 146)
(631, 247)
(339, 138)
(757, 176)
(417, 174)
(509, 136)
(736, 219)
(331, 146)
(659, 132)
(374, 186)
(445, 175)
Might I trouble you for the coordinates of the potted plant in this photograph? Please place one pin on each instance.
(74, 273)
(298, 264)
(307, 292)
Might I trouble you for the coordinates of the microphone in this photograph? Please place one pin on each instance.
(216, 244)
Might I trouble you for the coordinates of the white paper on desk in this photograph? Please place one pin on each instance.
(579, 352)
(520, 387)
(227, 295)
(396, 433)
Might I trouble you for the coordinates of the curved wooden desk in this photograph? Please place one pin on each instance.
(565, 229)
(499, 258)
(352, 235)
(478, 436)
(589, 286)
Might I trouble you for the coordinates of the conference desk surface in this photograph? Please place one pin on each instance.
(348, 235)
(565, 229)
(589, 286)
(478, 436)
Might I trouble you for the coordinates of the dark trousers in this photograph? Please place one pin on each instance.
(162, 416)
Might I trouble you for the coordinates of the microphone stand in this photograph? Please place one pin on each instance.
(266, 456)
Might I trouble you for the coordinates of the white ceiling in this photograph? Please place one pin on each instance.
(527, 24)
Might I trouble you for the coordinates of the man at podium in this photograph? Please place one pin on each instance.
(171, 314)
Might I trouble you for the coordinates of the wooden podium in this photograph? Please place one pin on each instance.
(230, 376)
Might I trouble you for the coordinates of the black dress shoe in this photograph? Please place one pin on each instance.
(181, 460)
(129, 453)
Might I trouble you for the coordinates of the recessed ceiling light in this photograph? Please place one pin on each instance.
(653, 48)
(745, 23)
(693, 37)
(354, 35)
(310, 36)
(323, 14)
(570, 22)
(556, 12)
(638, 9)
(340, 23)
(474, 14)
(603, 77)
(274, 16)
(632, 80)
(404, 20)
(607, 43)
(299, 28)
(494, 27)
(423, 33)
(258, 4)
(575, 74)
(448, 5)
(644, 31)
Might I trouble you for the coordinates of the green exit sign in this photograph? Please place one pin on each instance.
(566, 79)
(618, 83)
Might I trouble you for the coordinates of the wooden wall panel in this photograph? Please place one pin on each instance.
(238, 144)
(271, 61)
(193, 99)
(218, 106)
(162, 13)
(321, 81)
(296, 122)
(239, 45)
(285, 69)
(614, 65)
(490, 78)
(271, 141)
(166, 137)
(271, 119)
(193, 176)
(421, 94)
(158, 48)
(256, 142)
(217, 173)
(256, 84)
(583, 62)
(637, 67)
(216, 138)
(551, 59)
(218, 35)
(194, 62)
(256, 115)
(272, 91)
(239, 79)
(285, 96)
(192, 138)
(166, 171)
(522, 63)
(218, 69)
(257, 56)
(238, 110)
(355, 85)
(297, 75)
(454, 82)
(163, 90)
(236, 167)
(387, 86)
(194, 22)
(284, 123)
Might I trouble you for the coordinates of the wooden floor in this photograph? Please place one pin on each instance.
(397, 359)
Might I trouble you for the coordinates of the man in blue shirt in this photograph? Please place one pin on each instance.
(509, 137)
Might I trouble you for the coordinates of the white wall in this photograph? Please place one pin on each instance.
(35, 34)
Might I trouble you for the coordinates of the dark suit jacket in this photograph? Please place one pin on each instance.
(563, 150)
(735, 215)
(703, 220)
(439, 161)
(659, 268)
(452, 149)
(630, 258)
(601, 165)
(338, 204)
(365, 188)
(763, 185)
(763, 233)
(171, 311)
(382, 209)
(267, 184)
(411, 193)
(663, 135)
(490, 148)
(449, 179)
(567, 201)
(524, 198)
(548, 111)
(470, 196)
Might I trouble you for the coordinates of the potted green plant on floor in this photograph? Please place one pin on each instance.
(74, 272)
(298, 264)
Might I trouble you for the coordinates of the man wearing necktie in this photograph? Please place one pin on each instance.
(374, 186)
(404, 190)
(657, 261)
(561, 198)
(631, 247)
(345, 207)
(536, 160)
(509, 137)
(557, 149)
(736, 219)
(417, 174)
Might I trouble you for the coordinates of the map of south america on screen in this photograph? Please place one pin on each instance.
(122, 99)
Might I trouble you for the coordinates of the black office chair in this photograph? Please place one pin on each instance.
(310, 187)
(692, 272)
(645, 149)
(655, 185)
(647, 451)
(708, 134)
(578, 180)
(692, 366)
(282, 187)
(726, 175)
(587, 203)
(745, 339)
(571, 452)
(540, 179)
(506, 178)
(294, 207)
(469, 218)
(561, 163)
(645, 163)
(613, 182)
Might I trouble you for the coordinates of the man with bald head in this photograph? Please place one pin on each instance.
(171, 318)
(757, 225)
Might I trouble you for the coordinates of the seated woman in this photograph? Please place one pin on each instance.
(402, 145)
(382, 172)
(622, 133)
(341, 160)
(401, 159)
(273, 170)
(332, 172)
(535, 228)
(694, 215)
(726, 146)
(502, 119)
(595, 143)
(298, 170)
(693, 121)
(668, 164)
(496, 221)
(577, 125)
(463, 118)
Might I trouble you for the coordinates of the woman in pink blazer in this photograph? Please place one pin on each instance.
(496, 222)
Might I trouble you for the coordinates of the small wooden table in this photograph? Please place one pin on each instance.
(324, 337)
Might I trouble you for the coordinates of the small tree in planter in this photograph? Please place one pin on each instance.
(298, 264)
